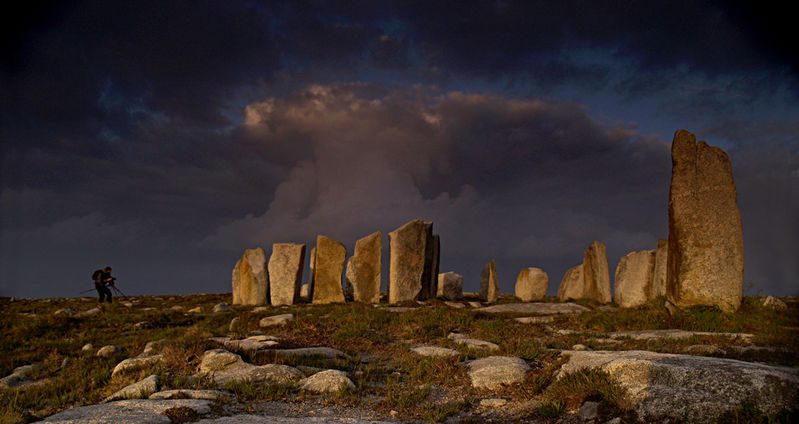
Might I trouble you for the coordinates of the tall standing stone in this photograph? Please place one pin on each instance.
(634, 277)
(572, 286)
(328, 266)
(285, 272)
(250, 281)
(434, 265)
(661, 266)
(489, 283)
(363, 269)
(450, 286)
(596, 272)
(407, 252)
(531, 284)
(706, 251)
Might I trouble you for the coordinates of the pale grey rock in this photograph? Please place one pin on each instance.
(674, 334)
(285, 272)
(495, 371)
(474, 304)
(133, 411)
(434, 351)
(706, 250)
(261, 419)
(196, 310)
(774, 303)
(139, 390)
(489, 283)
(88, 313)
(87, 347)
(704, 350)
(699, 389)
(531, 284)
(250, 280)
(364, 267)
(18, 377)
(328, 266)
(572, 286)
(126, 304)
(109, 351)
(136, 363)
(224, 367)
(450, 285)
(493, 402)
(328, 381)
(535, 320)
(233, 324)
(152, 347)
(305, 291)
(260, 309)
(65, 311)
(588, 411)
(400, 309)
(534, 308)
(591, 280)
(221, 307)
(579, 346)
(320, 352)
(659, 273)
(634, 275)
(456, 305)
(274, 320)
(192, 394)
(407, 258)
(472, 343)
(251, 344)
(176, 308)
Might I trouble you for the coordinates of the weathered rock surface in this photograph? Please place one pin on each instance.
(539, 308)
(221, 307)
(472, 343)
(431, 257)
(494, 371)
(450, 285)
(152, 347)
(285, 272)
(135, 363)
(260, 419)
(434, 351)
(251, 344)
(225, 366)
(706, 251)
(18, 377)
(192, 394)
(328, 381)
(328, 266)
(364, 267)
(699, 389)
(774, 303)
(489, 283)
(141, 389)
(591, 279)
(674, 334)
(249, 279)
(659, 274)
(535, 320)
(571, 286)
(319, 352)
(274, 320)
(109, 351)
(634, 279)
(88, 313)
(138, 411)
(531, 284)
(407, 246)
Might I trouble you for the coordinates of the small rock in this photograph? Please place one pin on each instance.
(456, 305)
(151, 347)
(126, 304)
(142, 325)
(329, 381)
(142, 389)
(197, 310)
(472, 343)
(535, 320)
(192, 394)
(434, 351)
(90, 312)
(774, 303)
(176, 308)
(494, 371)
(66, 311)
(109, 351)
(233, 324)
(475, 304)
(493, 402)
(704, 350)
(579, 347)
(87, 347)
(221, 307)
(17, 377)
(589, 411)
(66, 362)
(282, 319)
(135, 363)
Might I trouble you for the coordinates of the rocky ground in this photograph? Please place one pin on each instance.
(152, 359)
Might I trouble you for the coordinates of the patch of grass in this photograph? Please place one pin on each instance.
(552, 409)
(749, 413)
(435, 412)
(588, 384)
(248, 390)
(181, 414)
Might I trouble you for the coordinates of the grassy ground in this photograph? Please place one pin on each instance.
(388, 377)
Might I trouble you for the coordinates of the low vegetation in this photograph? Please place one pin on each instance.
(388, 377)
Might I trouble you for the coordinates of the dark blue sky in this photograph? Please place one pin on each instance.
(164, 138)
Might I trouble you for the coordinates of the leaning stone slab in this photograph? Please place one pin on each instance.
(572, 286)
(249, 280)
(534, 308)
(596, 274)
(141, 389)
(285, 272)
(434, 351)
(328, 266)
(699, 389)
(328, 381)
(274, 320)
(634, 277)
(363, 269)
(495, 371)
(134, 411)
(407, 255)
(706, 249)
(531, 284)
(135, 363)
(489, 283)
(674, 334)
(191, 394)
(472, 343)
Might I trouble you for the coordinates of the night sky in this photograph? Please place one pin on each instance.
(163, 138)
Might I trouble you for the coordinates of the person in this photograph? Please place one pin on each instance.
(103, 279)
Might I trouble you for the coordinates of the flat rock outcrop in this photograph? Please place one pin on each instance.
(328, 381)
(274, 320)
(249, 279)
(434, 351)
(192, 394)
(328, 266)
(489, 283)
(706, 251)
(285, 272)
(135, 363)
(363, 269)
(694, 388)
(450, 285)
(495, 371)
(539, 308)
(591, 280)
(407, 258)
(134, 411)
(531, 284)
(472, 343)
(18, 377)
(634, 278)
(224, 366)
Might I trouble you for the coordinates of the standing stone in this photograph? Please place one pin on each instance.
(531, 284)
(250, 281)
(407, 248)
(571, 286)
(489, 283)
(634, 277)
(311, 265)
(659, 273)
(363, 269)
(706, 251)
(285, 272)
(450, 286)
(434, 265)
(596, 273)
(328, 266)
